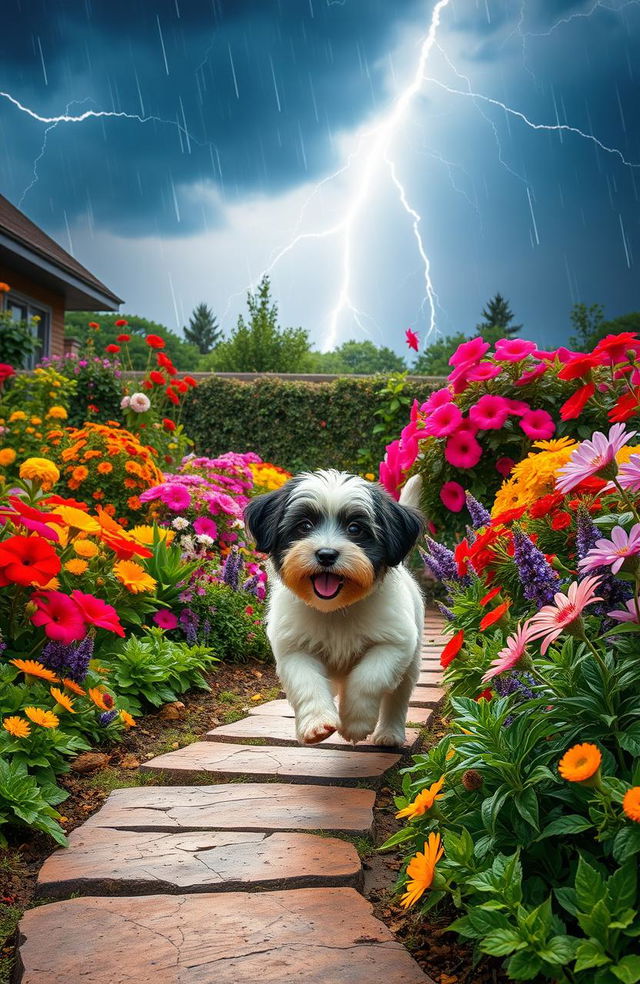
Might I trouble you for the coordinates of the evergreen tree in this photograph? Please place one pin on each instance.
(497, 315)
(203, 330)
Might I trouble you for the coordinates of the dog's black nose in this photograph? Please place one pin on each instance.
(326, 556)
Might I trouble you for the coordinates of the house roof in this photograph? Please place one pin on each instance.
(25, 247)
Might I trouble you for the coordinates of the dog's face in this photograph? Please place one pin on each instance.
(331, 535)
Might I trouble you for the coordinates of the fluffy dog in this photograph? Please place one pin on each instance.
(345, 617)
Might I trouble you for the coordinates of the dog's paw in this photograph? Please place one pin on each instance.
(357, 729)
(312, 730)
(391, 737)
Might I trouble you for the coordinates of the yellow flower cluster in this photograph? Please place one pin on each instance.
(267, 477)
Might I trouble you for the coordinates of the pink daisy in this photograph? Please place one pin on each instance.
(537, 424)
(630, 614)
(509, 657)
(629, 474)
(437, 399)
(514, 349)
(490, 412)
(471, 351)
(552, 620)
(483, 371)
(462, 450)
(531, 374)
(592, 457)
(444, 420)
(452, 496)
(613, 552)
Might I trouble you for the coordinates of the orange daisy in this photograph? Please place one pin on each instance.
(80, 473)
(85, 548)
(17, 727)
(133, 576)
(62, 699)
(631, 803)
(46, 719)
(75, 687)
(423, 801)
(127, 720)
(580, 762)
(33, 668)
(105, 467)
(76, 566)
(101, 699)
(421, 870)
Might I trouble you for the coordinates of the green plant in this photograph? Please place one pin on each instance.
(391, 411)
(235, 623)
(17, 340)
(22, 801)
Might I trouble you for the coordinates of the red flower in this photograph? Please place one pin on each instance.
(112, 349)
(625, 406)
(580, 366)
(508, 516)
(93, 408)
(180, 385)
(544, 505)
(168, 424)
(452, 649)
(172, 396)
(59, 616)
(615, 348)
(147, 384)
(485, 695)
(121, 323)
(5, 371)
(505, 466)
(123, 338)
(560, 521)
(574, 406)
(190, 381)
(58, 500)
(165, 363)
(154, 341)
(412, 340)
(94, 325)
(27, 560)
(97, 612)
(157, 377)
(494, 616)
(490, 596)
(32, 519)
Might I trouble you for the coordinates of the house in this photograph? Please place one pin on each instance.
(44, 280)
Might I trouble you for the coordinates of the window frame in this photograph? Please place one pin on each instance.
(34, 307)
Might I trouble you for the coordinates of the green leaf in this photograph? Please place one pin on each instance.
(621, 888)
(501, 942)
(524, 966)
(570, 824)
(626, 843)
(567, 899)
(589, 885)
(627, 970)
(486, 920)
(558, 950)
(590, 954)
(527, 806)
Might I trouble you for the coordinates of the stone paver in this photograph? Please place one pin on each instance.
(103, 861)
(425, 697)
(282, 708)
(429, 678)
(320, 936)
(281, 731)
(307, 765)
(238, 806)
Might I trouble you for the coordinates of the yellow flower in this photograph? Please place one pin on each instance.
(58, 413)
(85, 548)
(423, 801)
(46, 719)
(62, 699)
(17, 415)
(33, 668)
(40, 470)
(133, 576)
(558, 444)
(127, 720)
(35, 421)
(421, 870)
(76, 566)
(144, 535)
(78, 519)
(625, 453)
(17, 727)
(7, 456)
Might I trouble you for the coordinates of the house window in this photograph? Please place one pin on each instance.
(38, 318)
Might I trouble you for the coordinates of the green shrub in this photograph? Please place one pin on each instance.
(232, 623)
(300, 424)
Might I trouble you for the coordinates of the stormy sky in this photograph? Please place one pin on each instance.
(390, 163)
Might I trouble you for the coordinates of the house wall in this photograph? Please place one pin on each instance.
(24, 285)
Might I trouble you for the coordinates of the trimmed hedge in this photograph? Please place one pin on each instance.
(296, 424)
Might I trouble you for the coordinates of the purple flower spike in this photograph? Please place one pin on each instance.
(539, 580)
(479, 515)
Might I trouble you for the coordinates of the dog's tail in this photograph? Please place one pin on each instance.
(411, 492)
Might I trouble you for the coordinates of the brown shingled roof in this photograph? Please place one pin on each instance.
(15, 224)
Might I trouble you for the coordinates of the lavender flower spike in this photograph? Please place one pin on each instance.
(479, 515)
(440, 561)
(448, 614)
(539, 580)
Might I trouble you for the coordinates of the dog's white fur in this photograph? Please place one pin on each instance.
(367, 654)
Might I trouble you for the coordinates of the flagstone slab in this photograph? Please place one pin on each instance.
(306, 765)
(316, 936)
(425, 697)
(261, 807)
(103, 861)
(419, 715)
(429, 678)
(282, 731)
(282, 708)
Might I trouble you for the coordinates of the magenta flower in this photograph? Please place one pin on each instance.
(390, 473)
(437, 399)
(518, 408)
(452, 496)
(165, 619)
(537, 424)
(509, 657)
(207, 526)
(505, 466)
(613, 553)
(514, 349)
(483, 371)
(471, 351)
(462, 450)
(531, 374)
(593, 457)
(630, 614)
(490, 412)
(219, 501)
(176, 497)
(444, 420)
(412, 339)
(552, 620)
(629, 474)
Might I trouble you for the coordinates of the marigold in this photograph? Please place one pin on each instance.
(33, 668)
(17, 727)
(104, 468)
(133, 576)
(580, 762)
(85, 548)
(46, 719)
(63, 699)
(40, 470)
(76, 566)
(7, 457)
(134, 502)
(423, 801)
(57, 413)
(75, 687)
(127, 720)
(17, 415)
(631, 803)
(421, 870)
(80, 473)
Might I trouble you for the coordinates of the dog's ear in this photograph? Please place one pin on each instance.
(262, 516)
(400, 527)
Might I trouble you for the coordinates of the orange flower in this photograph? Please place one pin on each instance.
(98, 495)
(421, 870)
(89, 455)
(80, 473)
(62, 699)
(75, 687)
(105, 467)
(494, 616)
(133, 576)
(127, 720)
(32, 668)
(76, 566)
(17, 727)
(631, 803)
(85, 548)
(101, 699)
(134, 502)
(130, 483)
(581, 762)
(4, 287)
(78, 519)
(46, 719)
(423, 801)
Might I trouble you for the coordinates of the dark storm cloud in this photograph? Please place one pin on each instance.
(254, 92)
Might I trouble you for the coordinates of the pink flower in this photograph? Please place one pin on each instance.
(490, 412)
(97, 612)
(471, 351)
(390, 473)
(165, 619)
(452, 496)
(207, 526)
(628, 615)
(59, 616)
(220, 501)
(176, 497)
(531, 374)
(517, 407)
(613, 552)
(412, 339)
(437, 399)
(552, 620)
(483, 371)
(462, 450)
(514, 349)
(459, 378)
(509, 657)
(629, 474)
(537, 424)
(467, 426)
(592, 457)
(505, 466)
(444, 420)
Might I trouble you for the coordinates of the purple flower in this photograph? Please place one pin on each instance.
(107, 717)
(539, 580)
(189, 622)
(448, 614)
(479, 515)
(231, 569)
(73, 659)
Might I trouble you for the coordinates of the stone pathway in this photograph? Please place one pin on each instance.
(241, 881)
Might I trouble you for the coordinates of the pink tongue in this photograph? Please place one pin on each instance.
(326, 584)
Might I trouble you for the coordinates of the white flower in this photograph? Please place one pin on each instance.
(186, 543)
(179, 523)
(124, 403)
(205, 539)
(139, 402)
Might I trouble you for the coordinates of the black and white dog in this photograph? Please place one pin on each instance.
(344, 617)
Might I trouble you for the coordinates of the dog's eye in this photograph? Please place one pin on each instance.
(354, 529)
(305, 526)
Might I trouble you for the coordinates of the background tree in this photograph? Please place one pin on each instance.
(203, 330)
(260, 344)
(497, 320)
(76, 324)
(357, 357)
(434, 361)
